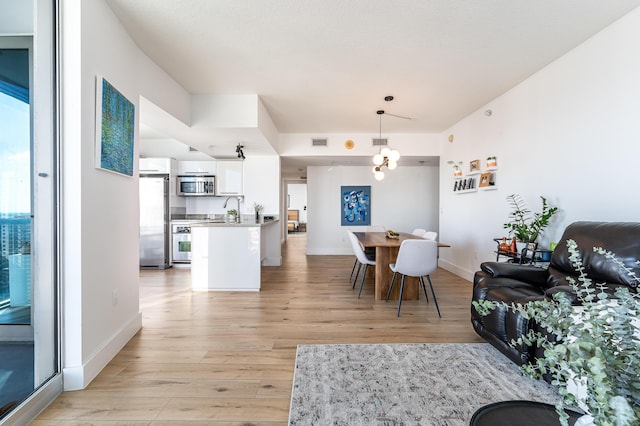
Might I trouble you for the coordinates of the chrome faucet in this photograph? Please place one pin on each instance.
(238, 199)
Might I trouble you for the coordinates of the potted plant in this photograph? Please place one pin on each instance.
(232, 214)
(457, 171)
(523, 225)
(492, 162)
(595, 358)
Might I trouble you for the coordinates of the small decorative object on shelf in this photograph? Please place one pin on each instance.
(504, 247)
(457, 171)
(485, 179)
(474, 166)
(492, 162)
(514, 247)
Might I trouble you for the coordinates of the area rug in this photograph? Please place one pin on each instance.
(404, 384)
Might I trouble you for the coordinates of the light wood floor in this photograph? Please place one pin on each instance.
(211, 358)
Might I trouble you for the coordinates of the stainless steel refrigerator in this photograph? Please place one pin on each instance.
(155, 235)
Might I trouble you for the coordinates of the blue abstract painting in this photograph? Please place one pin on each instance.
(355, 205)
(114, 151)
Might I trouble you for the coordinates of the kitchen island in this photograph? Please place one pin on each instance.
(228, 256)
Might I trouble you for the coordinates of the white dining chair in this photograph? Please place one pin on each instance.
(430, 235)
(355, 262)
(416, 258)
(418, 232)
(363, 259)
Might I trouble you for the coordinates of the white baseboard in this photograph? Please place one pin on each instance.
(456, 270)
(79, 377)
(272, 261)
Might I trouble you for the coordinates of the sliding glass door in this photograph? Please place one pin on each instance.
(28, 283)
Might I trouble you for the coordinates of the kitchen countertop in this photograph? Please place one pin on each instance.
(246, 222)
(220, 220)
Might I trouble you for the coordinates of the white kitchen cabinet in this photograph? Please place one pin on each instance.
(228, 257)
(157, 165)
(161, 165)
(197, 168)
(229, 177)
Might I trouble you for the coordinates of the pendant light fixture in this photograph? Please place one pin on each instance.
(386, 157)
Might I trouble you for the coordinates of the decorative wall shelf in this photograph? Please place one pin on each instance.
(476, 180)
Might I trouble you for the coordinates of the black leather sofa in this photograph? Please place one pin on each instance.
(508, 282)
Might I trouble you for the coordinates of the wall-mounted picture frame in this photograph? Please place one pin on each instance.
(474, 166)
(485, 178)
(355, 205)
(115, 130)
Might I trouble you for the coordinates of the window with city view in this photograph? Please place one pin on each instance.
(15, 183)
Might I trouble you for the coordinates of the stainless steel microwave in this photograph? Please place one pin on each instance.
(196, 185)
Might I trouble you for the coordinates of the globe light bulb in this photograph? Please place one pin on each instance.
(394, 156)
(392, 164)
(385, 151)
(378, 159)
(379, 175)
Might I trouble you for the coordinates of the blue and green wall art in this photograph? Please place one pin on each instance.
(115, 147)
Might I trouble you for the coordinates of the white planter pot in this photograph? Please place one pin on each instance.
(521, 246)
(585, 420)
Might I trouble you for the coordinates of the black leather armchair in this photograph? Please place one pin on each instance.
(508, 282)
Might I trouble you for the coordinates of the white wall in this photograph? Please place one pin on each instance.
(298, 199)
(570, 133)
(262, 183)
(407, 198)
(100, 217)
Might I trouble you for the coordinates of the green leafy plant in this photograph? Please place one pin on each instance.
(524, 225)
(595, 360)
(232, 212)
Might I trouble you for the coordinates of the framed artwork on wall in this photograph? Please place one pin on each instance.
(355, 205)
(474, 166)
(115, 129)
(485, 178)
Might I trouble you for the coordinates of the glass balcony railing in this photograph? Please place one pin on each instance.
(15, 263)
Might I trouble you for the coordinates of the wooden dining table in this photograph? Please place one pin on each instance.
(386, 253)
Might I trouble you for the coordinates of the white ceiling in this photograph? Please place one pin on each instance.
(325, 66)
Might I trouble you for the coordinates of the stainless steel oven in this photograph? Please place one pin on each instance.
(196, 186)
(181, 234)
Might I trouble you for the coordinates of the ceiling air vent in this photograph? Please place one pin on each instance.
(379, 141)
(319, 142)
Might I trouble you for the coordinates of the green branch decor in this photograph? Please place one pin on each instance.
(595, 361)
